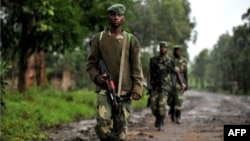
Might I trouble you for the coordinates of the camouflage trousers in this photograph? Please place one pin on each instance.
(158, 103)
(110, 127)
(175, 99)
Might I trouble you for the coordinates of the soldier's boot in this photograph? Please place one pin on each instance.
(178, 116)
(172, 114)
(157, 121)
(173, 118)
(161, 127)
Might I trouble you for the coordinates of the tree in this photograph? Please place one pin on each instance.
(40, 26)
(229, 60)
(200, 66)
(37, 29)
(162, 20)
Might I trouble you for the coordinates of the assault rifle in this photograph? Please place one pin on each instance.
(110, 84)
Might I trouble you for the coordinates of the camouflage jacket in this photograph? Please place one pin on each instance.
(162, 72)
(181, 63)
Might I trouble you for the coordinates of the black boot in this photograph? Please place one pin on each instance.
(157, 121)
(178, 116)
(173, 118)
(172, 113)
(161, 121)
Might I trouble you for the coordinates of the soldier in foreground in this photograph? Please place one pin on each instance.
(176, 97)
(160, 83)
(120, 79)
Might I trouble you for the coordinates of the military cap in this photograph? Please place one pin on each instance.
(177, 46)
(163, 44)
(117, 8)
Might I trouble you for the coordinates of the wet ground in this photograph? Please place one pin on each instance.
(203, 118)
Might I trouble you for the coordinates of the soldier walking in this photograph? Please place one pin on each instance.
(176, 97)
(160, 83)
(121, 53)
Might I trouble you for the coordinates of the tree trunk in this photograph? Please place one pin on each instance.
(25, 51)
(30, 72)
(66, 79)
(23, 61)
(40, 68)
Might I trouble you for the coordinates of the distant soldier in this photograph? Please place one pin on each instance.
(160, 83)
(176, 97)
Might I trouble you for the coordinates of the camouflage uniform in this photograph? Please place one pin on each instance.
(162, 74)
(176, 97)
(112, 125)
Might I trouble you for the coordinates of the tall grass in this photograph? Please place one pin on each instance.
(28, 115)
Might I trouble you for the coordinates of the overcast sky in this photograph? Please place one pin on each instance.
(214, 18)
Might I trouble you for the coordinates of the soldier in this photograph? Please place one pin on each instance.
(176, 98)
(160, 83)
(109, 46)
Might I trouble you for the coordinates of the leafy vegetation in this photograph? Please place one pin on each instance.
(57, 33)
(167, 20)
(45, 27)
(33, 111)
(226, 66)
(27, 115)
(4, 68)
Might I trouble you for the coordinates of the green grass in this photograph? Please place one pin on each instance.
(28, 115)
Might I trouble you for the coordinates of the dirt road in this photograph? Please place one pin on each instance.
(203, 115)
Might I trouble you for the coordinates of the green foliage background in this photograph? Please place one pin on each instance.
(228, 62)
(64, 28)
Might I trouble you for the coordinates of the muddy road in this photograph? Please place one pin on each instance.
(203, 118)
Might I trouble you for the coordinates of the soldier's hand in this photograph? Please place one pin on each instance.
(183, 88)
(135, 96)
(100, 79)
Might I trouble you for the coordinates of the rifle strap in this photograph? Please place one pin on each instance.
(122, 63)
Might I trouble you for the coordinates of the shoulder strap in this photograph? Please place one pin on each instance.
(100, 37)
(122, 65)
(129, 37)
